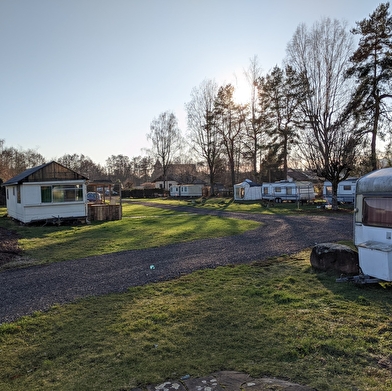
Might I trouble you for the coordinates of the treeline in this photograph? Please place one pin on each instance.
(121, 168)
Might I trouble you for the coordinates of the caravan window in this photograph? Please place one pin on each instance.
(278, 189)
(347, 187)
(265, 190)
(377, 211)
(328, 190)
(289, 190)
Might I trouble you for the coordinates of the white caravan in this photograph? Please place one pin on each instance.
(373, 223)
(288, 191)
(247, 191)
(346, 191)
(186, 190)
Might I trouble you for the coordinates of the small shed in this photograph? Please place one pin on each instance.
(108, 205)
(247, 191)
(47, 192)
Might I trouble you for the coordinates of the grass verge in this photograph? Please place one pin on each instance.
(275, 318)
(141, 227)
(228, 205)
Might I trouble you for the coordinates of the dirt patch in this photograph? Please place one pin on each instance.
(9, 249)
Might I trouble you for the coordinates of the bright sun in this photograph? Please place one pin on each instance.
(242, 90)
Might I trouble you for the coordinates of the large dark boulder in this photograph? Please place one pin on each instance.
(335, 257)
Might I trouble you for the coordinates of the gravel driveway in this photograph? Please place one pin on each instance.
(23, 291)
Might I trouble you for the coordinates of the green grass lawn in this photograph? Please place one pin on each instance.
(227, 204)
(141, 227)
(277, 318)
(272, 318)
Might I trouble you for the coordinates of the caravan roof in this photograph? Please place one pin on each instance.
(250, 183)
(379, 181)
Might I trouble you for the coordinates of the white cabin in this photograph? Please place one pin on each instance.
(47, 192)
(346, 191)
(288, 191)
(195, 190)
(247, 191)
(373, 223)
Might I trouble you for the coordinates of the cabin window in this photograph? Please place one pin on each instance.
(46, 193)
(289, 190)
(265, 190)
(18, 196)
(61, 193)
(377, 211)
(8, 196)
(347, 187)
(278, 189)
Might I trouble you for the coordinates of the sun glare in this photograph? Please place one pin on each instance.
(242, 90)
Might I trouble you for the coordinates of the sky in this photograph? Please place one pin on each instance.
(89, 76)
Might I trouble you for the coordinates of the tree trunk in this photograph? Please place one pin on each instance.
(212, 179)
(334, 195)
(373, 153)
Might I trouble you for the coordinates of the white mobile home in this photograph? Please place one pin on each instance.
(195, 190)
(47, 192)
(346, 191)
(247, 191)
(373, 223)
(288, 191)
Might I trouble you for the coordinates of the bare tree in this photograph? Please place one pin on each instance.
(329, 140)
(118, 167)
(14, 161)
(141, 168)
(201, 127)
(83, 165)
(166, 140)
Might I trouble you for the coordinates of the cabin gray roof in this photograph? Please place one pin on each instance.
(297, 175)
(24, 176)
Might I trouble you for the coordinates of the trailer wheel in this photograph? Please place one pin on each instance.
(278, 200)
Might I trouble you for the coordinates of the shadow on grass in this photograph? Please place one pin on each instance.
(275, 317)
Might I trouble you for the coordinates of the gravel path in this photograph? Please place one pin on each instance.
(23, 291)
